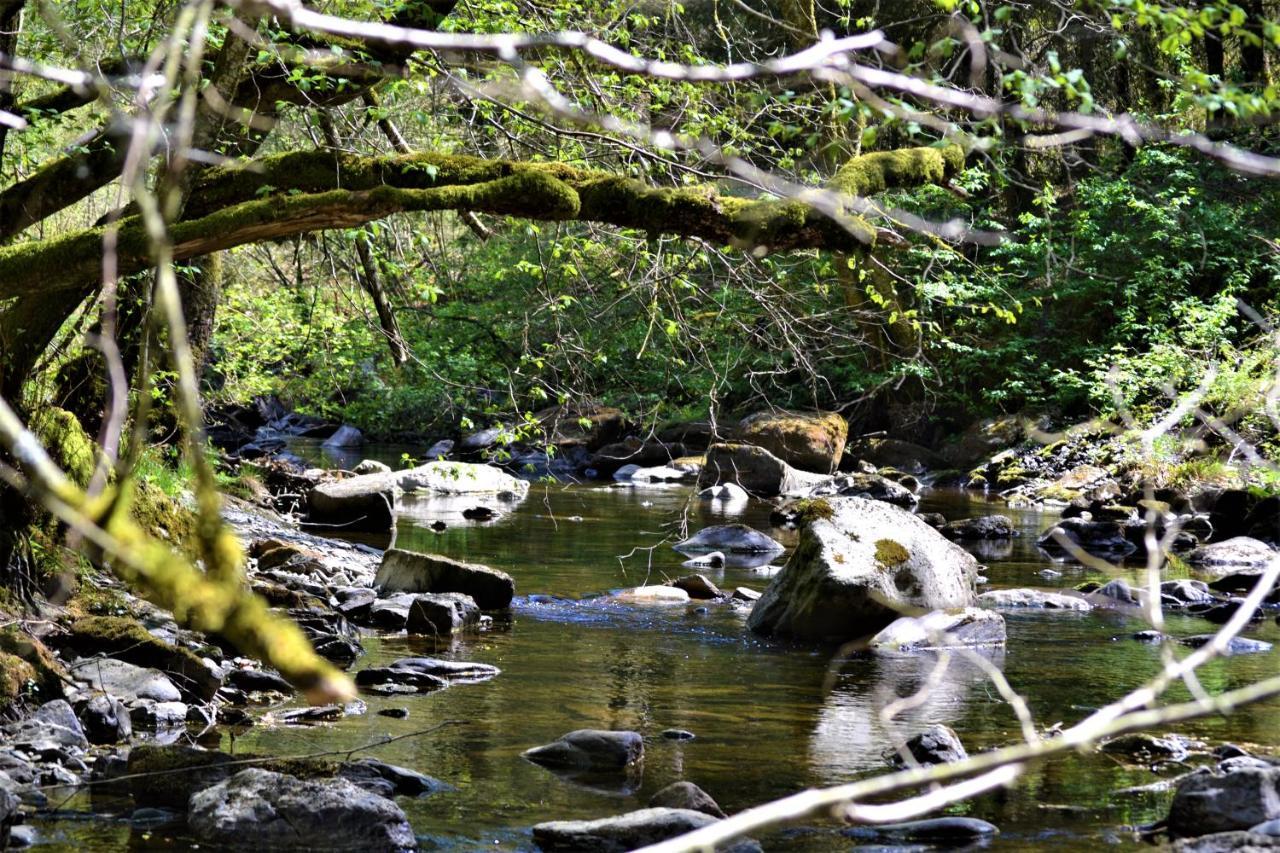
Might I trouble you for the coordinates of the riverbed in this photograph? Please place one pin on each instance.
(770, 718)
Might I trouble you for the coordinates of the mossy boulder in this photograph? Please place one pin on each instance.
(48, 673)
(855, 572)
(128, 641)
(588, 425)
(811, 441)
(17, 677)
(167, 775)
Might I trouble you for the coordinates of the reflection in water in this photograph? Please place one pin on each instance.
(852, 736)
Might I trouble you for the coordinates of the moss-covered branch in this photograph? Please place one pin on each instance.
(307, 191)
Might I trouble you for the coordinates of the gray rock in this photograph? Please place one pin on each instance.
(453, 670)
(387, 680)
(686, 795)
(870, 486)
(371, 466)
(346, 436)
(947, 831)
(442, 614)
(938, 744)
(745, 593)
(1117, 589)
(480, 440)
(730, 538)
(125, 681)
(724, 493)
(391, 613)
(440, 450)
(105, 720)
(1235, 646)
(626, 832)
(1208, 802)
(985, 527)
(590, 749)
(712, 560)
(1099, 538)
(1147, 747)
(1033, 598)
(1227, 842)
(755, 469)
(1271, 827)
(354, 601)
(410, 571)
(258, 680)
(259, 809)
(852, 574)
(1222, 558)
(1183, 592)
(941, 629)
(698, 587)
(150, 714)
(388, 780)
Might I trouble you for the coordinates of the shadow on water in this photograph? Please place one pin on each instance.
(770, 719)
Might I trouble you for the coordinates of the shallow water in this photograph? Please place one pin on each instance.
(770, 718)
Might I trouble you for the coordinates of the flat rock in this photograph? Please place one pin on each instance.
(410, 571)
(697, 586)
(869, 486)
(626, 832)
(939, 830)
(125, 681)
(1099, 538)
(1033, 598)
(654, 594)
(941, 629)
(1210, 802)
(1222, 558)
(258, 809)
(985, 527)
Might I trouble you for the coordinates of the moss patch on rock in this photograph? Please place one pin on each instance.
(129, 641)
(891, 554)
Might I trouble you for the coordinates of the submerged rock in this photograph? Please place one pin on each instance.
(590, 749)
(941, 629)
(686, 795)
(755, 469)
(811, 441)
(853, 573)
(389, 780)
(627, 832)
(731, 538)
(263, 810)
(939, 830)
(654, 594)
(1147, 747)
(410, 571)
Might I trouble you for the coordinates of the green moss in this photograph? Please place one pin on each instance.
(1054, 492)
(66, 442)
(891, 554)
(48, 675)
(812, 509)
(874, 173)
(17, 677)
(129, 641)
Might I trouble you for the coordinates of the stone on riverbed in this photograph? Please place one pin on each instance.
(590, 749)
(686, 795)
(1099, 538)
(629, 831)
(389, 780)
(1222, 558)
(105, 720)
(697, 586)
(129, 641)
(654, 594)
(870, 486)
(1033, 598)
(986, 527)
(941, 629)
(410, 571)
(947, 831)
(346, 436)
(442, 614)
(854, 571)
(368, 501)
(730, 538)
(724, 493)
(938, 744)
(371, 466)
(756, 470)
(1209, 802)
(258, 809)
(126, 681)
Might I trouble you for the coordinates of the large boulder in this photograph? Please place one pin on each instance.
(811, 441)
(1237, 800)
(442, 614)
(985, 527)
(755, 469)
(857, 569)
(1100, 538)
(885, 452)
(633, 451)
(346, 436)
(588, 425)
(410, 571)
(871, 486)
(368, 501)
(260, 810)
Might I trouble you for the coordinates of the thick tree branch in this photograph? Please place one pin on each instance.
(308, 191)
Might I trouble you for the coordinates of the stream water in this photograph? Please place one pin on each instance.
(770, 718)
